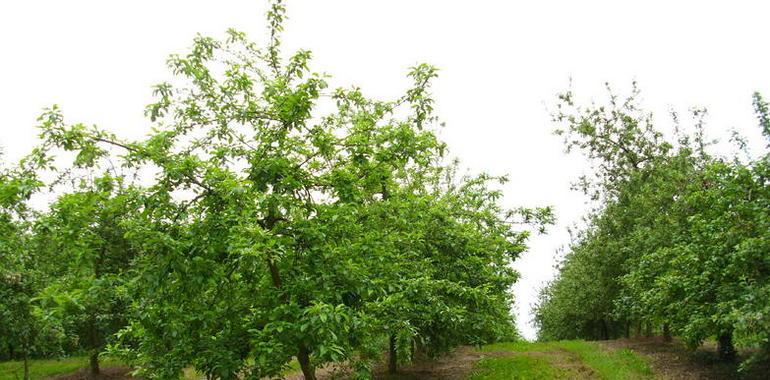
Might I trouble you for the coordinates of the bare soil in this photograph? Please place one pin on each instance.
(674, 361)
(458, 365)
(109, 373)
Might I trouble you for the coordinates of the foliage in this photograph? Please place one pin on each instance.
(21, 331)
(677, 241)
(84, 234)
(268, 218)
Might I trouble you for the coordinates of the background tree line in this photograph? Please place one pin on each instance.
(678, 243)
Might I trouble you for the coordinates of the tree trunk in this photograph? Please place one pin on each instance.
(627, 331)
(95, 338)
(725, 348)
(25, 347)
(26, 364)
(303, 357)
(93, 363)
(392, 354)
(605, 330)
(419, 351)
(93, 358)
(667, 333)
(638, 329)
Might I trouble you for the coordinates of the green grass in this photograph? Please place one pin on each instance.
(517, 367)
(556, 360)
(43, 368)
(522, 346)
(615, 364)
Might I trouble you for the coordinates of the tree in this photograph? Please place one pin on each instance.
(453, 286)
(19, 281)
(85, 234)
(627, 156)
(287, 221)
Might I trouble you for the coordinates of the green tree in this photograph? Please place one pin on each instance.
(19, 325)
(627, 156)
(286, 221)
(84, 233)
(713, 267)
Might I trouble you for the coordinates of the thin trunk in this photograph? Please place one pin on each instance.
(26, 364)
(638, 329)
(667, 333)
(25, 347)
(93, 361)
(725, 348)
(93, 358)
(303, 357)
(274, 275)
(627, 332)
(647, 330)
(419, 351)
(392, 354)
(605, 330)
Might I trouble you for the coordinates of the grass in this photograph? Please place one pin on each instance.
(613, 364)
(517, 367)
(43, 368)
(557, 360)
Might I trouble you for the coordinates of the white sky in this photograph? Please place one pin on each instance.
(501, 63)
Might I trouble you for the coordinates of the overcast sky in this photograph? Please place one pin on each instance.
(502, 62)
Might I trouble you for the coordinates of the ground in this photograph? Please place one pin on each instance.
(523, 360)
(649, 358)
(47, 368)
(674, 361)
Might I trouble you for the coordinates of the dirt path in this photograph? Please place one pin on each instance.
(459, 364)
(674, 361)
(568, 362)
(454, 366)
(109, 373)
